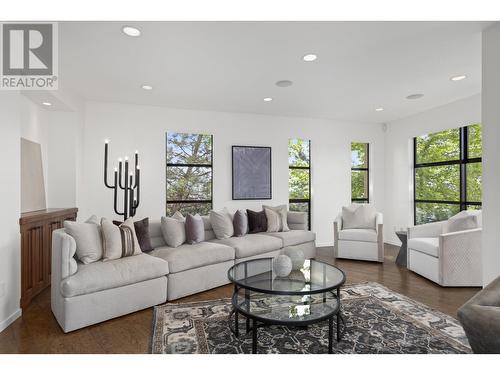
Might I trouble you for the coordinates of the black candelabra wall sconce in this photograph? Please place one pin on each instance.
(128, 182)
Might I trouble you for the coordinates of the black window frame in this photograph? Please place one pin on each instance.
(463, 161)
(308, 168)
(193, 165)
(367, 169)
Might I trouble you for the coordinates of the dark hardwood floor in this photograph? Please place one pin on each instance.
(38, 332)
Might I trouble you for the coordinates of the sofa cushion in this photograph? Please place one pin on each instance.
(252, 244)
(294, 237)
(464, 220)
(365, 235)
(101, 275)
(186, 257)
(429, 245)
(359, 216)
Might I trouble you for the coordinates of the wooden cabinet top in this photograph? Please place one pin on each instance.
(47, 214)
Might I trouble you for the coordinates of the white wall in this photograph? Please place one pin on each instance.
(10, 191)
(399, 156)
(491, 153)
(132, 127)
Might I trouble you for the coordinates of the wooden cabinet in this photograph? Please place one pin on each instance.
(36, 243)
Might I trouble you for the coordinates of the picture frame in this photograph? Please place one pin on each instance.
(251, 173)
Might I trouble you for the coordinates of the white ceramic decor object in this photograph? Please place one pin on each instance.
(282, 265)
(297, 257)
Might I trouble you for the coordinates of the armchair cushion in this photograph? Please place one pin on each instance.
(365, 235)
(464, 220)
(358, 216)
(429, 245)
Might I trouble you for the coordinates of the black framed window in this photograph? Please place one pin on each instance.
(360, 172)
(189, 173)
(299, 176)
(447, 173)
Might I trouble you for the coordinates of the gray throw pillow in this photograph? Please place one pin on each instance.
(358, 216)
(273, 220)
(87, 236)
(240, 223)
(464, 220)
(119, 241)
(222, 224)
(173, 230)
(282, 211)
(195, 229)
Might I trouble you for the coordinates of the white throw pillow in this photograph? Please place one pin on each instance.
(119, 241)
(464, 220)
(282, 211)
(87, 236)
(273, 220)
(222, 224)
(358, 216)
(173, 229)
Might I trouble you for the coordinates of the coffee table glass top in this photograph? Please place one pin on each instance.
(308, 277)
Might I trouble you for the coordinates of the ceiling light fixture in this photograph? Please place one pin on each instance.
(131, 31)
(379, 109)
(47, 104)
(310, 57)
(284, 83)
(147, 87)
(458, 78)
(268, 99)
(414, 96)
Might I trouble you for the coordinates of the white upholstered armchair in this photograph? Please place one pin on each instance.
(360, 234)
(447, 256)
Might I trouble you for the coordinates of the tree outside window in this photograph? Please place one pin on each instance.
(360, 172)
(299, 176)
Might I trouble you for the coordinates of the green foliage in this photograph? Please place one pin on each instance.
(298, 153)
(298, 179)
(359, 178)
(359, 155)
(442, 183)
(189, 182)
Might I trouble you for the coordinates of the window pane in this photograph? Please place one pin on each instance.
(475, 141)
(440, 183)
(441, 146)
(298, 153)
(298, 183)
(359, 184)
(299, 206)
(473, 207)
(189, 183)
(359, 155)
(474, 177)
(430, 212)
(189, 148)
(189, 208)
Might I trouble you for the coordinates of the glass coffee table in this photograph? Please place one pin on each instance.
(309, 294)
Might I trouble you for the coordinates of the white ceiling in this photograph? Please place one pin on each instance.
(232, 66)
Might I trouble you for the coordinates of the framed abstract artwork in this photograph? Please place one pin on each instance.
(251, 172)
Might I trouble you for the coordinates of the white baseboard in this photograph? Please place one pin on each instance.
(7, 322)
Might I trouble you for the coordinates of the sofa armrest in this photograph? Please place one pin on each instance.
(63, 252)
(379, 222)
(460, 257)
(337, 227)
(426, 230)
(297, 220)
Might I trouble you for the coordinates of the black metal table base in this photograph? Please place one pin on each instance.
(255, 325)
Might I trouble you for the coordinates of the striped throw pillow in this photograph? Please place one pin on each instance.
(119, 240)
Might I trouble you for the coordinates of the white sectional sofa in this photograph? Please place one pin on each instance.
(85, 294)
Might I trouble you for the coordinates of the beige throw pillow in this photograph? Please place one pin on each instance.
(273, 220)
(358, 216)
(119, 241)
(173, 229)
(222, 224)
(282, 211)
(88, 240)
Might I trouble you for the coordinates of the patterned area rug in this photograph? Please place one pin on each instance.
(377, 319)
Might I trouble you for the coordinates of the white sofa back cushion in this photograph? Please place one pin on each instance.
(88, 239)
(358, 216)
(464, 220)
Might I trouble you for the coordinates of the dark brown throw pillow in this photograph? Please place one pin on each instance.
(257, 221)
(142, 232)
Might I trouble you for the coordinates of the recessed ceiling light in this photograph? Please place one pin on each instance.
(379, 109)
(268, 99)
(458, 78)
(147, 87)
(310, 57)
(47, 104)
(284, 83)
(131, 31)
(414, 96)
